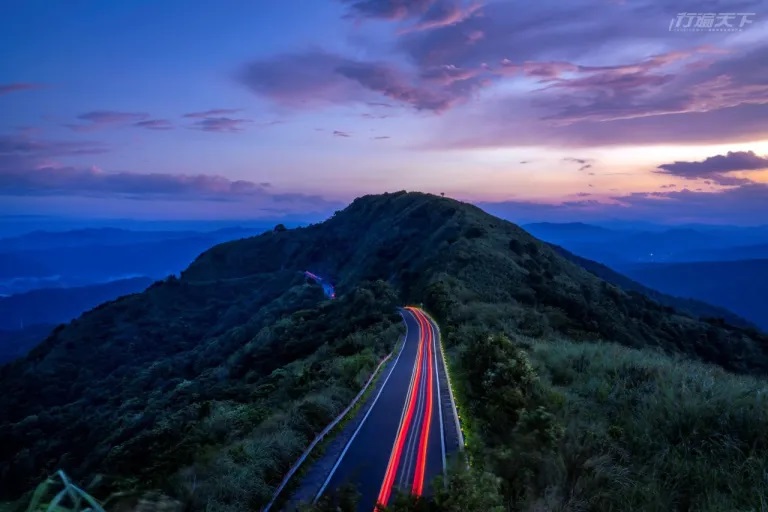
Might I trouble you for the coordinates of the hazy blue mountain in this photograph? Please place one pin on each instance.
(110, 236)
(571, 230)
(741, 252)
(38, 240)
(693, 307)
(83, 257)
(58, 305)
(616, 247)
(17, 343)
(739, 286)
(14, 265)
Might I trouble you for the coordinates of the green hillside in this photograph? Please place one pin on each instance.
(222, 376)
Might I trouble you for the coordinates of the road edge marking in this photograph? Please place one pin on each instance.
(435, 343)
(376, 399)
(450, 387)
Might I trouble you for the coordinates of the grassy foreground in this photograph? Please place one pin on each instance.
(572, 427)
(644, 431)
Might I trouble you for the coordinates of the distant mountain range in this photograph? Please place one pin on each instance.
(59, 305)
(621, 246)
(739, 286)
(683, 302)
(83, 257)
(18, 342)
(722, 266)
(741, 252)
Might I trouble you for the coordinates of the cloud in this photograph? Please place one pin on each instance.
(19, 86)
(396, 85)
(221, 124)
(76, 181)
(543, 73)
(584, 163)
(516, 122)
(100, 119)
(382, 137)
(216, 112)
(22, 146)
(743, 205)
(155, 124)
(716, 168)
(338, 133)
(23, 153)
(588, 80)
(315, 79)
(388, 9)
(427, 14)
(28, 168)
(445, 13)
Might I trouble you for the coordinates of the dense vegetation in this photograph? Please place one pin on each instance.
(213, 383)
(219, 378)
(564, 426)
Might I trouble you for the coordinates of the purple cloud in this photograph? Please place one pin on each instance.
(93, 182)
(587, 99)
(19, 86)
(338, 133)
(216, 112)
(445, 13)
(744, 205)
(396, 85)
(388, 9)
(584, 163)
(28, 147)
(221, 124)
(100, 119)
(319, 78)
(716, 168)
(155, 124)
(563, 87)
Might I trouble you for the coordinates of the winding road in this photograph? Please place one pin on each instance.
(401, 442)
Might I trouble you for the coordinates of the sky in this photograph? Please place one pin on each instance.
(653, 110)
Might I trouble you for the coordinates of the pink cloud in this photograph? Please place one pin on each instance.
(444, 14)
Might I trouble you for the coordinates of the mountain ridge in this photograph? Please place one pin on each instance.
(151, 377)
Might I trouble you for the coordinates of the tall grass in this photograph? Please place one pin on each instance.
(646, 431)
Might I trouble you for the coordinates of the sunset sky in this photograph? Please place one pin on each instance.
(548, 110)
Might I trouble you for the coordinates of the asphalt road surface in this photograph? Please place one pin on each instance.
(400, 444)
